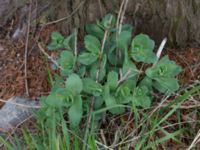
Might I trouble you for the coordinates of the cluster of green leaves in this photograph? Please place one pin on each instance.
(105, 70)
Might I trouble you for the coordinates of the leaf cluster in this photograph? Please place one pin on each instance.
(105, 70)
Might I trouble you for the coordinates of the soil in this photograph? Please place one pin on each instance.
(12, 74)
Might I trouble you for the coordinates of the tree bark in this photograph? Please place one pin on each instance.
(178, 20)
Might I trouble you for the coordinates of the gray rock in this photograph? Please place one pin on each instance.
(15, 111)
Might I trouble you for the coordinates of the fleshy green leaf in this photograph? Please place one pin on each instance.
(127, 27)
(54, 101)
(95, 30)
(146, 82)
(164, 68)
(102, 69)
(111, 101)
(123, 40)
(82, 71)
(92, 44)
(142, 49)
(166, 85)
(106, 21)
(112, 80)
(98, 102)
(69, 42)
(130, 69)
(75, 111)
(56, 41)
(93, 72)
(125, 88)
(114, 59)
(66, 61)
(141, 97)
(92, 87)
(58, 80)
(124, 91)
(56, 36)
(87, 58)
(74, 83)
(61, 97)
(54, 45)
(163, 74)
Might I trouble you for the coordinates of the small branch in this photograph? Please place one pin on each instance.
(104, 39)
(119, 14)
(18, 104)
(88, 123)
(100, 7)
(26, 49)
(125, 77)
(49, 57)
(122, 15)
(62, 19)
(160, 49)
(75, 43)
(195, 141)
(93, 98)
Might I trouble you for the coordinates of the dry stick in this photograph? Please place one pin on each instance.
(119, 14)
(75, 43)
(137, 137)
(122, 15)
(100, 7)
(93, 98)
(195, 141)
(26, 49)
(108, 148)
(103, 137)
(18, 104)
(125, 77)
(152, 112)
(49, 57)
(62, 19)
(160, 49)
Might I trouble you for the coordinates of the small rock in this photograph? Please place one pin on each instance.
(15, 111)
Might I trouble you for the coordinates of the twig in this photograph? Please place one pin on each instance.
(103, 137)
(100, 7)
(143, 121)
(119, 14)
(122, 15)
(160, 49)
(18, 104)
(147, 133)
(88, 122)
(195, 141)
(93, 98)
(49, 57)
(62, 19)
(75, 43)
(26, 49)
(108, 148)
(124, 77)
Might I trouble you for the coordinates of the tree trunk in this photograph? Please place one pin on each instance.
(179, 20)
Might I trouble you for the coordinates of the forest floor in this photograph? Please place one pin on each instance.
(12, 72)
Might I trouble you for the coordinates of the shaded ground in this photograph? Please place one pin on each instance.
(12, 78)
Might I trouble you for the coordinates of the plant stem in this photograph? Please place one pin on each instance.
(93, 98)
(49, 57)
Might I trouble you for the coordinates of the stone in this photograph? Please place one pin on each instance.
(15, 111)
